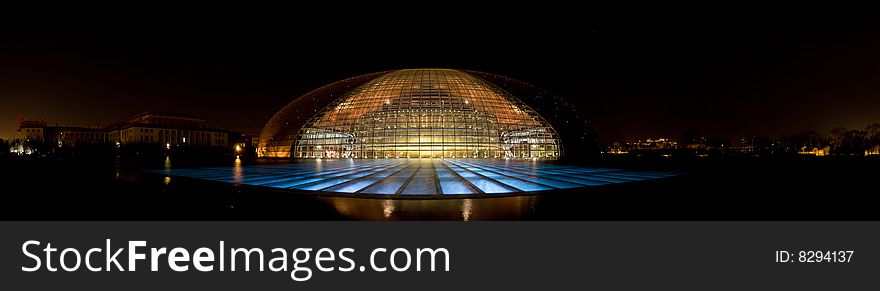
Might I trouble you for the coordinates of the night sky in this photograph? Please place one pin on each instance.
(635, 71)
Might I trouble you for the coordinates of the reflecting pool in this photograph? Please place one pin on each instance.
(452, 178)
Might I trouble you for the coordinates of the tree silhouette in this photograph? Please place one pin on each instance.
(873, 135)
(4, 147)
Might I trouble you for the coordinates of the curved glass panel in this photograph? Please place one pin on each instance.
(277, 136)
(426, 113)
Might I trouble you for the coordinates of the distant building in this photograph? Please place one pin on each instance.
(72, 136)
(144, 128)
(744, 144)
(814, 151)
(157, 128)
(654, 144)
(31, 130)
(662, 146)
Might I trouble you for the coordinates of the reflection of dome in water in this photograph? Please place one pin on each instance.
(415, 113)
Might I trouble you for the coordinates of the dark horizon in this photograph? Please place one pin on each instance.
(728, 72)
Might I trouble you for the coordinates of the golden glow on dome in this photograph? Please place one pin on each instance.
(417, 113)
(426, 113)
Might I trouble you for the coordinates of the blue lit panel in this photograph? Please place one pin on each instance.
(388, 185)
(409, 177)
(454, 186)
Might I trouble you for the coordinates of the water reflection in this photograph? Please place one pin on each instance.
(387, 208)
(417, 177)
(504, 208)
(237, 170)
(466, 209)
(319, 165)
(288, 185)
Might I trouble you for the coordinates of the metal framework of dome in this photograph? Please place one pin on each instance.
(412, 113)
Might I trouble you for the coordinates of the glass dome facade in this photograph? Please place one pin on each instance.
(413, 113)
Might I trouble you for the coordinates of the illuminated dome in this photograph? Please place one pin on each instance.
(415, 113)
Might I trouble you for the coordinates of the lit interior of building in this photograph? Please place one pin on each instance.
(416, 113)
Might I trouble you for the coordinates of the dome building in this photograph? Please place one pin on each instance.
(424, 134)
(421, 113)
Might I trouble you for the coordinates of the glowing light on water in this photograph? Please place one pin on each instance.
(237, 170)
(467, 209)
(446, 177)
(387, 208)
